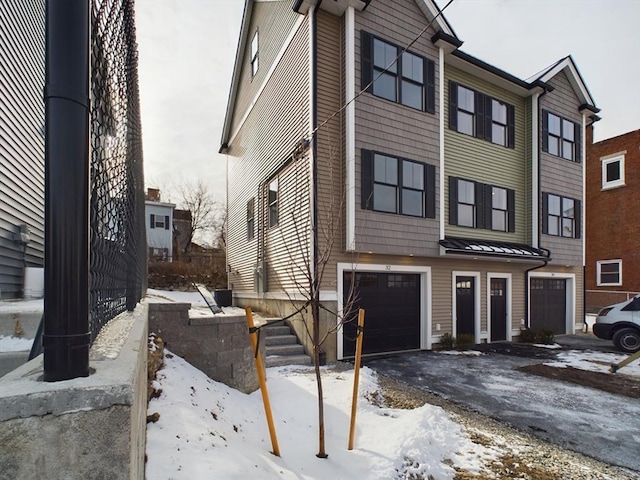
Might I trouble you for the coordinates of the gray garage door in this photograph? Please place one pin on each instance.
(392, 317)
(549, 304)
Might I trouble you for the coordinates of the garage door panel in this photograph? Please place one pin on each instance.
(548, 304)
(392, 318)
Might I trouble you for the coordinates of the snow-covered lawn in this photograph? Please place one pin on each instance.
(15, 344)
(208, 430)
(595, 362)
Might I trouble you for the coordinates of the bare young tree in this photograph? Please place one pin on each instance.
(197, 198)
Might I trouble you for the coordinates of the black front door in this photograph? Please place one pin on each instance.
(465, 305)
(498, 309)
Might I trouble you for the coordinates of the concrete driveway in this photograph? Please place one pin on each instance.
(596, 423)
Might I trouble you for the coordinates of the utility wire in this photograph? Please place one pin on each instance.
(341, 109)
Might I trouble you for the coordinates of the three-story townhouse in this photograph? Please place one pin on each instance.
(358, 133)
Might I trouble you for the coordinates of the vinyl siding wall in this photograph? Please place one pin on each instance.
(480, 160)
(560, 176)
(21, 138)
(396, 130)
(264, 144)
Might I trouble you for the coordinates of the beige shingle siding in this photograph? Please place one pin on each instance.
(560, 176)
(396, 130)
(273, 21)
(276, 123)
(480, 160)
(21, 138)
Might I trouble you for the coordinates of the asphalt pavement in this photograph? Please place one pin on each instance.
(589, 421)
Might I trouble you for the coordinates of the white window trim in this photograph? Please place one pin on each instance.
(618, 157)
(599, 264)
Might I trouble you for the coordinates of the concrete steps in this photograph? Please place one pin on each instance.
(282, 347)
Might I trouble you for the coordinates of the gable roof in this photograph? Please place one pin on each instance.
(577, 83)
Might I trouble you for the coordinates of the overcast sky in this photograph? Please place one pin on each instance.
(187, 50)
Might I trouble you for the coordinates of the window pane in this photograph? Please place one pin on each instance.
(499, 112)
(466, 100)
(499, 220)
(567, 129)
(554, 125)
(499, 196)
(613, 171)
(609, 278)
(466, 192)
(567, 208)
(385, 169)
(412, 203)
(609, 267)
(466, 215)
(254, 45)
(554, 146)
(384, 198)
(412, 67)
(273, 191)
(383, 55)
(567, 227)
(385, 86)
(554, 205)
(499, 134)
(413, 175)
(465, 123)
(412, 95)
(567, 150)
(554, 227)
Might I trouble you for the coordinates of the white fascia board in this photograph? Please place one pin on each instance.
(441, 137)
(574, 77)
(535, 169)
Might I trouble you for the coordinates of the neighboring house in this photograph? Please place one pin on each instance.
(21, 142)
(449, 193)
(613, 223)
(159, 221)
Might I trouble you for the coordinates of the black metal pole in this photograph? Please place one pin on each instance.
(66, 336)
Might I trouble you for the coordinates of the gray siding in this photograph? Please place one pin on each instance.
(560, 176)
(479, 160)
(21, 138)
(274, 126)
(396, 130)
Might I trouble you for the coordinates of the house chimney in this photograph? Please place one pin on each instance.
(153, 194)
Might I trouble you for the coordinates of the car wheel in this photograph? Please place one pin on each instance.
(627, 340)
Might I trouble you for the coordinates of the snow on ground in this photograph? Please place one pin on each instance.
(594, 361)
(198, 306)
(467, 353)
(15, 344)
(207, 430)
(22, 306)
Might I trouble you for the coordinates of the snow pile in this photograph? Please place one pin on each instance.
(594, 361)
(15, 344)
(207, 429)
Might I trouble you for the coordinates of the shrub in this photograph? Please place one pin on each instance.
(447, 341)
(546, 336)
(527, 336)
(464, 340)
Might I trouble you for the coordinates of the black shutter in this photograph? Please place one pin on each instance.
(577, 213)
(366, 56)
(453, 107)
(166, 222)
(430, 68)
(479, 116)
(366, 179)
(453, 201)
(511, 210)
(488, 117)
(578, 144)
(511, 126)
(479, 199)
(545, 209)
(153, 221)
(545, 131)
(430, 191)
(487, 205)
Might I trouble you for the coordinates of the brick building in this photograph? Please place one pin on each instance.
(612, 220)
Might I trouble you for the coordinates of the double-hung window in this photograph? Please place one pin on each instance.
(159, 221)
(609, 272)
(479, 205)
(250, 219)
(560, 137)
(397, 185)
(561, 216)
(613, 171)
(254, 54)
(481, 116)
(401, 77)
(273, 203)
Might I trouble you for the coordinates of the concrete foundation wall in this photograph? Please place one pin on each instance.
(91, 427)
(219, 345)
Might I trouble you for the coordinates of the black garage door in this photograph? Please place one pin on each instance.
(549, 304)
(392, 312)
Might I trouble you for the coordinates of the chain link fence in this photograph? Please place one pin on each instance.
(118, 240)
